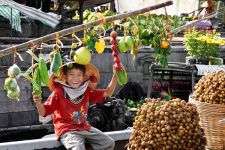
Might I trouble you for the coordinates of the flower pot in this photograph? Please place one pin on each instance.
(215, 61)
(202, 61)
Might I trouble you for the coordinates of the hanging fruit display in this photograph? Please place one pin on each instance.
(35, 80)
(120, 71)
(10, 85)
(146, 29)
(38, 72)
(89, 16)
(149, 30)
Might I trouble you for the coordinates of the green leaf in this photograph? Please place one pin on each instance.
(91, 44)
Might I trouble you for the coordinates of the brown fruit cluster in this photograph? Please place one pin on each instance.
(211, 88)
(167, 125)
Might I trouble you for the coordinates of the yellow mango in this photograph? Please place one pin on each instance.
(100, 46)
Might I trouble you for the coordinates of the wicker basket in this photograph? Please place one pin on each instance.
(210, 114)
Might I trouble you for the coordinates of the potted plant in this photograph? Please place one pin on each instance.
(202, 45)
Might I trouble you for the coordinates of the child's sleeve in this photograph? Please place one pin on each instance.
(52, 103)
(96, 96)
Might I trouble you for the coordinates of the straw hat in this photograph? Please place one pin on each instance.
(91, 73)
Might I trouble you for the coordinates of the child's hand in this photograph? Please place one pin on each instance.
(114, 70)
(37, 99)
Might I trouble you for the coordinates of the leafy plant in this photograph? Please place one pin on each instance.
(202, 44)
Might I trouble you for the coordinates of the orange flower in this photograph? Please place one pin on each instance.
(164, 44)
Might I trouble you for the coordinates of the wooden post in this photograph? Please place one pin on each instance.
(68, 31)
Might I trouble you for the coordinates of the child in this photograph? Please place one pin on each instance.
(71, 94)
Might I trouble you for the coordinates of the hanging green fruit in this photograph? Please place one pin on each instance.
(43, 71)
(10, 84)
(14, 71)
(14, 94)
(129, 42)
(56, 63)
(82, 56)
(122, 46)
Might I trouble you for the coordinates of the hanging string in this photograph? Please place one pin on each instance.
(58, 42)
(85, 31)
(41, 49)
(147, 19)
(168, 35)
(32, 57)
(135, 31)
(126, 26)
(78, 39)
(73, 39)
(85, 28)
(104, 33)
(57, 37)
(14, 55)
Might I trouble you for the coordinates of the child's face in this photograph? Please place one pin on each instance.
(74, 77)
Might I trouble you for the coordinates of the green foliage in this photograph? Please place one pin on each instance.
(89, 16)
(202, 44)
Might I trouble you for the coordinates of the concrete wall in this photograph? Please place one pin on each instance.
(17, 113)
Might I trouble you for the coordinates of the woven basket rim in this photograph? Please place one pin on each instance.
(190, 99)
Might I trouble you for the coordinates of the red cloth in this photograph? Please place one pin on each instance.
(93, 79)
(67, 115)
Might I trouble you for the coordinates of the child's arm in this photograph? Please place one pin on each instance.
(39, 105)
(112, 86)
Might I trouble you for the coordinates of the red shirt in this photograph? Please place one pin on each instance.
(67, 115)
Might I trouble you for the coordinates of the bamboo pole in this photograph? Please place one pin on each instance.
(64, 32)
